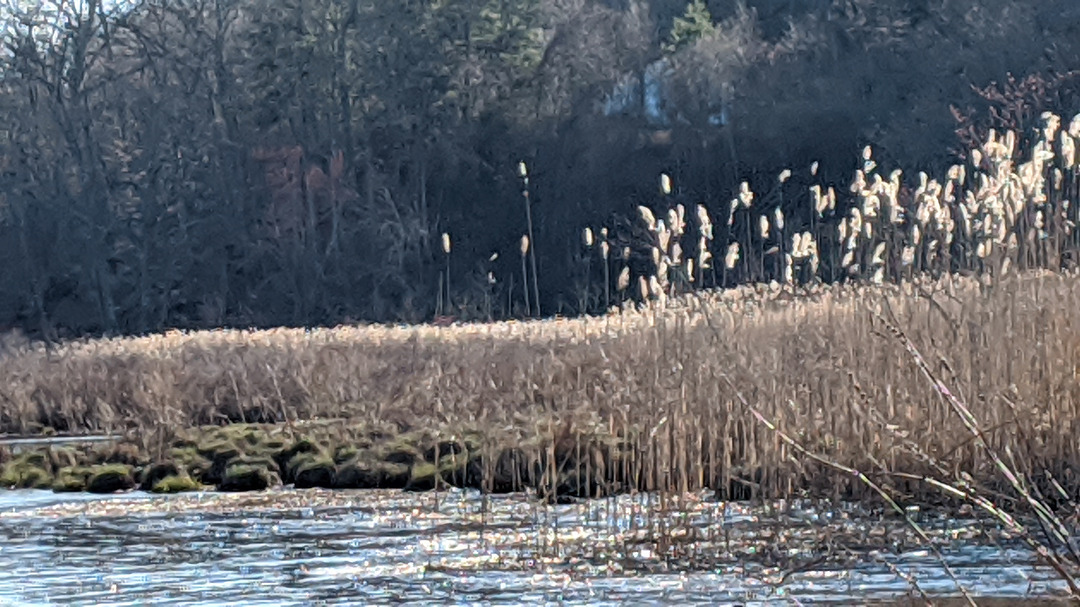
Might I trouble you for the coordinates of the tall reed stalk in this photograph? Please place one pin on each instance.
(523, 172)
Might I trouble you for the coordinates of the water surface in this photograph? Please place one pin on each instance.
(317, 547)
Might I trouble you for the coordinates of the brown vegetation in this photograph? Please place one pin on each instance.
(647, 399)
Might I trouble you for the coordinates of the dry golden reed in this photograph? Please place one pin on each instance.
(816, 363)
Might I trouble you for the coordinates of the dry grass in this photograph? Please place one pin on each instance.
(816, 364)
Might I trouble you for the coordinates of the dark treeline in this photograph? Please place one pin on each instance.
(196, 163)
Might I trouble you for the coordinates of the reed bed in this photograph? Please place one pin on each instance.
(657, 393)
(960, 297)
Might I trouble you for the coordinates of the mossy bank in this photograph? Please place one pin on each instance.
(558, 465)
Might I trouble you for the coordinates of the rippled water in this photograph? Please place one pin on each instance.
(334, 548)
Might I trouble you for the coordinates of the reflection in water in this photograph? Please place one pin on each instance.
(323, 548)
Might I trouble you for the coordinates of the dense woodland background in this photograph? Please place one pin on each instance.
(199, 163)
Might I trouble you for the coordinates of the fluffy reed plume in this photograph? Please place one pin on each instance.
(732, 256)
(624, 280)
(648, 217)
(446, 253)
(523, 248)
(995, 208)
(605, 254)
(746, 196)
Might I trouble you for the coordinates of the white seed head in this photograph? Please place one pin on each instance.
(588, 237)
(648, 217)
(856, 219)
(821, 203)
(523, 171)
(624, 279)
(785, 175)
(907, 256)
(732, 256)
(673, 220)
(703, 217)
(524, 247)
(446, 243)
(746, 197)
(879, 254)
(665, 184)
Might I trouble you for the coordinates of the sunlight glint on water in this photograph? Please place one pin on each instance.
(303, 548)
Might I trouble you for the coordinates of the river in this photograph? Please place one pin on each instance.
(292, 547)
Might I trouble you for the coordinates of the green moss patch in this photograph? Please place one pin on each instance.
(303, 445)
(27, 471)
(110, 478)
(246, 477)
(365, 472)
(423, 476)
(176, 483)
(71, 479)
(313, 471)
(152, 474)
(464, 470)
(220, 454)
